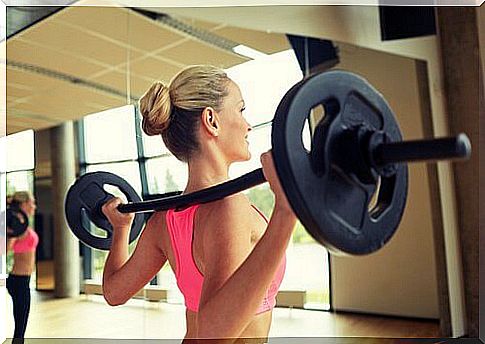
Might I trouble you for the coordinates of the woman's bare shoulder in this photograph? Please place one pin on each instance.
(234, 207)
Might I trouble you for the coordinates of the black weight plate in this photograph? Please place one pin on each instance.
(17, 222)
(86, 196)
(332, 202)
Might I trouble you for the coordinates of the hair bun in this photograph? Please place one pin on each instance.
(155, 107)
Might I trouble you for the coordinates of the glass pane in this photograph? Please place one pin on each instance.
(131, 173)
(3, 154)
(126, 170)
(167, 280)
(261, 93)
(20, 181)
(110, 135)
(19, 151)
(311, 277)
(300, 275)
(3, 193)
(153, 145)
(166, 174)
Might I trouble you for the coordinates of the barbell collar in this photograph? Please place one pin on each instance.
(210, 194)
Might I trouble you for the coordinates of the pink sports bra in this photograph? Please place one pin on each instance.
(180, 226)
(27, 243)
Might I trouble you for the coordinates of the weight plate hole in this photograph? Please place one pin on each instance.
(115, 191)
(382, 197)
(316, 115)
(375, 197)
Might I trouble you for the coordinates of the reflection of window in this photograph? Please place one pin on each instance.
(129, 171)
(153, 145)
(20, 181)
(166, 174)
(19, 151)
(3, 267)
(264, 82)
(262, 96)
(3, 154)
(110, 135)
(110, 145)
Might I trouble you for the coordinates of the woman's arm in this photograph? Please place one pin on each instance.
(122, 276)
(10, 242)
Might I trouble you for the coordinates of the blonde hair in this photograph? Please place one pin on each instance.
(18, 198)
(174, 110)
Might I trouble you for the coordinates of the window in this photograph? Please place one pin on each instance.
(263, 83)
(110, 135)
(16, 174)
(129, 171)
(110, 145)
(3, 206)
(166, 174)
(20, 151)
(153, 146)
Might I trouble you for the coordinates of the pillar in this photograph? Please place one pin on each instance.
(66, 246)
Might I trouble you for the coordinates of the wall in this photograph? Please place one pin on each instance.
(359, 25)
(459, 42)
(400, 279)
(43, 194)
(481, 32)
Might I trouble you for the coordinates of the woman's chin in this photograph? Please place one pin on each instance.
(243, 158)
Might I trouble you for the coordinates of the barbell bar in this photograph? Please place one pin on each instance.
(356, 152)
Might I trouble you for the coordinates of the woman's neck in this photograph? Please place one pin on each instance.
(205, 172)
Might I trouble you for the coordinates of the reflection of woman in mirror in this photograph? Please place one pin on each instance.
(23, 248)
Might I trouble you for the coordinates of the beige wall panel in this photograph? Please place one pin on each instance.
(148, 35)
(155, 69)
(118, 81)
(26, 52)
(126, 27)
(266, 42)
(37, 82)
(400, 279)
(64, 38)
(17, 91)
(193, 52)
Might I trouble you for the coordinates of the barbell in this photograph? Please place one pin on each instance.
(349, 190)
(16, 221)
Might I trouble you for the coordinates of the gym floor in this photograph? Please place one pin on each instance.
(91, 317)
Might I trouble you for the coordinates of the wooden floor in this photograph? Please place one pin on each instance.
(91, 317)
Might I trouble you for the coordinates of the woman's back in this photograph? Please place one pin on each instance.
(186, 237)
(24, 253)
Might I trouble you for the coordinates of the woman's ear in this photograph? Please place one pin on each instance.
(210, 121)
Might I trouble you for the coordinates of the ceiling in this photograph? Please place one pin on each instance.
(82, 60)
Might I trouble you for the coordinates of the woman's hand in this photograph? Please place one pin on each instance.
(118, 220)
(281, 202)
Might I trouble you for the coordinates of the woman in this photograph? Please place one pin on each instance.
(23, 248)
(228, 259)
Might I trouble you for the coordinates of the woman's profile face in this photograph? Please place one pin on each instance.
(234, 127)
(29, 207)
